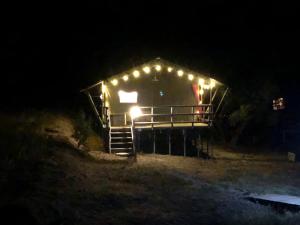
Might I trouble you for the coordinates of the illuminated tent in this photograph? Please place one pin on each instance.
(156, 83)
(156, 94)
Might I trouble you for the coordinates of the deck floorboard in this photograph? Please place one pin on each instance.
(167, 125)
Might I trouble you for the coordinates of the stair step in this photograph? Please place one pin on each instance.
(123, 154)
(115, 132)
(120, 127)
(118, 138)
(121, 140)
(120, 143)
(117, 149)
(121, 130)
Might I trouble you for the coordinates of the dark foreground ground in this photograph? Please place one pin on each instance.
(46, 179)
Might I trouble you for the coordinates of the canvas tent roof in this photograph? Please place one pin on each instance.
(164, 64)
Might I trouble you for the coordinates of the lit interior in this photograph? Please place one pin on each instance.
(128, 97)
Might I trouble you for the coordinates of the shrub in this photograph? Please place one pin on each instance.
(83, 127)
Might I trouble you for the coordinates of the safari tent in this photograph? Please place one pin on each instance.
(155, 97)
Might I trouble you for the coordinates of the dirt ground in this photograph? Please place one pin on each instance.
(250, 172)
(98, 188)
(69, 185)
(217, 188)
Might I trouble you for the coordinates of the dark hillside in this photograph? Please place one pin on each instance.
(47, 179)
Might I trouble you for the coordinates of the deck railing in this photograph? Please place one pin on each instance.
(170, 115)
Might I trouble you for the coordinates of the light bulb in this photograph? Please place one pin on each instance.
(191, 77)
(125, 78)
(158, 67)
(180, 73)
(114, 82)
(136, 73)
(146, 69)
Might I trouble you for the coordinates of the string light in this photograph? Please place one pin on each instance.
(136, 73)
(114, 82)
(212, 83)
(191, 77)
(201, 81)
(180, 73)
(125, 78)
(158, 67)
(146, 69)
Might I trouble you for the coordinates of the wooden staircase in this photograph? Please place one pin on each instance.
(121, 141)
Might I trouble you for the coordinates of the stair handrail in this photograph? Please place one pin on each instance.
(109, 131)
(132, 135)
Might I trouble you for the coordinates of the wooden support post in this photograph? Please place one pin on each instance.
(154, 144)
(202, 144)
(94, 107)
(125, 119)
(207, 145)
(139, 141)
(171, 116)
(218, 107)
(193, 112)
(211, 149)
(104, 116)
(152, 118)
(170, 143)
(133, 136)
(214, 95)
(198, 145)
(210, 144)
(184, 142)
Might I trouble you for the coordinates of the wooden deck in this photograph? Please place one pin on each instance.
(166, 117)
(171, 125)
(165, 126)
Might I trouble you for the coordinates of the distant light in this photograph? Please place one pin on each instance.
(135, 112)
(191, 77)
(161, 93)
(278, 104)
(212, 83)
(170, 69)
(136, 73)
(146, 69)
(201, 92)
(180, 73)
(128, 97)
(114, 82)
(125, 78)
(201, 81)
(158, 67)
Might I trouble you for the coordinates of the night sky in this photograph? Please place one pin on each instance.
(50, 52)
